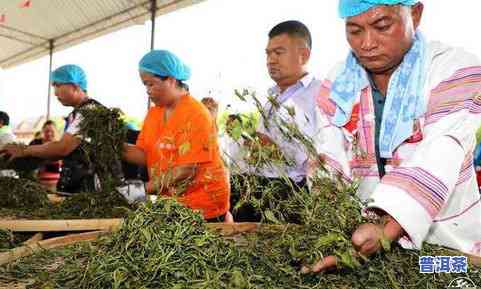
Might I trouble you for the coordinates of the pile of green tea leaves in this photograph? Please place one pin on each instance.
(23, 167)
(106, 133)
(7, 240)
(16, 193)
(28, 200)
(165, 245)
(161, 245)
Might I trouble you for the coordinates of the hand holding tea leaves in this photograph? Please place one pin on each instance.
(264, 139)
(262, 150)
(174, 181)
(14, 151)
(367, 240)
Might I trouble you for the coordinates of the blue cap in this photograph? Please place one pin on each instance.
(164, 63)
(349, 8)
(71, 74)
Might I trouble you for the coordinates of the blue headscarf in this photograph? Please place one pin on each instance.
(477, 155)
(71, 74)
(164, 63)
(349, 8)
(404, 100)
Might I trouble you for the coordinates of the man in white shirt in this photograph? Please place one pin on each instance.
(291, 104)
(6, 137)
(6, 134)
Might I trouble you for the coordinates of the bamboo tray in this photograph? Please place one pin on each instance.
(99, 227)
(34, 246)
(61, 225)
(110, 225)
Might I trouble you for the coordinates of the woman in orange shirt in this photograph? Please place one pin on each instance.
(178, 141)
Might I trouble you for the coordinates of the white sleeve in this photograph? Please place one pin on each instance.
(332, 146)
(6, 139)
(425, 182)
(74, 127)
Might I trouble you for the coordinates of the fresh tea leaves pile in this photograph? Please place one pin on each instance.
(6, 240)
(161, 245)
(10, 240)
(16, 193)
(79, 206)
(104, 134)
(278, 200)
(23, 274)
(165, 245)
(327, 216)
(103, 204)
(24, 167)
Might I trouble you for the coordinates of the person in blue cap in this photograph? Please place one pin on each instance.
(400, 116)
(70, 84)
(178, 140)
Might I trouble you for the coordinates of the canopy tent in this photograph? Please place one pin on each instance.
(31, 29)
(27, 33)
(25, 131)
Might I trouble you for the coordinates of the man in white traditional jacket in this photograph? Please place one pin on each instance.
(400, 116)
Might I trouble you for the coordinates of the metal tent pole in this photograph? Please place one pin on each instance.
(51, 46)
(153, 12)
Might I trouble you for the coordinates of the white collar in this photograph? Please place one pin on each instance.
(305, 81)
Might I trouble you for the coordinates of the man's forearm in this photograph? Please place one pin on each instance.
(133, 154)
(51, 151)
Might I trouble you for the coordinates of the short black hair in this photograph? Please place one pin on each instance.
(48, 122)
(233, 117)
(292, 28)
(4, 118)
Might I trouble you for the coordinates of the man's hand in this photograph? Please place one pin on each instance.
(133, 191)
(326, 264)
(134, 155)
(367, 240)
(54, 150)
(14, 151)
(228, 218)
(264, 139)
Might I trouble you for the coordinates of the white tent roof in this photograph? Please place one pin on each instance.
(25, 33)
